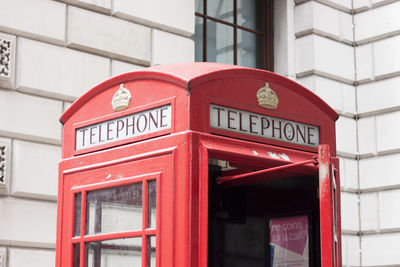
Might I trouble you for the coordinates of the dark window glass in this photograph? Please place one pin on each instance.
(77, 255)
(77, 214)
(151, 251)
(152, 215)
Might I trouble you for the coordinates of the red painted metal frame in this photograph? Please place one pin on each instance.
(182, 190)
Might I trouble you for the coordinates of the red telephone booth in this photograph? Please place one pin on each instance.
(199, 164)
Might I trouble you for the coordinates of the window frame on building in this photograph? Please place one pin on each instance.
(266, 32)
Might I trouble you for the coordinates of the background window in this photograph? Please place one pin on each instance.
(235, 32)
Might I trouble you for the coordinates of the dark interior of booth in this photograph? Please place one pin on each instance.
(240, 216)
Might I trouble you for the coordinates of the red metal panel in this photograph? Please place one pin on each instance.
(329, 194)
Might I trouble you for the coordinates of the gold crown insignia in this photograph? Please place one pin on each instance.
(121, 98)
(267, 98)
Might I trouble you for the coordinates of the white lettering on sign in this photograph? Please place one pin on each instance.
(137, 124)
(245, 122)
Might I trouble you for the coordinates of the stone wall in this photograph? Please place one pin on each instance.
(347, 52)
(52, 52)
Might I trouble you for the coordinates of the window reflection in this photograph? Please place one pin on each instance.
(125, 252)
(249, 15)
(114, 209)
(249, 46)
(221, 9)
(219, 42)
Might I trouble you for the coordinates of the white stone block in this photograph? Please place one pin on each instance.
(349, 99)
(365, 64)
(380, 172)
(41, 19)
(344, 5)
(308, 82)
(108, 36)
(57, 71)
(389, 207)
(380, 250)
(388, 132)
(377, 23)
(349, 174)
(284, 38)
(361, 5)
(35, 170)
(339, 96)
(171, 48)
(346, 28)
(3, 256)
(119, 67)
(349, 210)
(304, 18)
(313, 17)
(29, 116)
(173, 15)
(376, 3)
(387, 56)
(350, 250)
(369, 212)
(330, 91)
(7, 63)
(5, 165)
(103, 6)
(367, 136)
(328, 58)
(66, 106)
(28, 222)
(31, 257)
(346, 140)
(379, 96)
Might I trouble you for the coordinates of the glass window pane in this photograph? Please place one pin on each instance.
(199, 6)
(220, 9)
(125, 252)
(151, 251)
(219, 42)
(250, 50)
(77, 214)
(198, 38)
(250, 14)
(114, 209)
(77, 255)
(152, 204)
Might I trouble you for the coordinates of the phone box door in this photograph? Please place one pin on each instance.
(111, 214)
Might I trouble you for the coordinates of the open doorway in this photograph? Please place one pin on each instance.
(240, 217)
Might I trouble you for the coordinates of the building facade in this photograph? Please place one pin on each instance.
(345, 51)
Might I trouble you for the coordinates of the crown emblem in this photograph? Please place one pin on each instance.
(121, 98)
(267, 98)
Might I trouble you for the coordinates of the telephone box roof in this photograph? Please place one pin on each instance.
(190, 75)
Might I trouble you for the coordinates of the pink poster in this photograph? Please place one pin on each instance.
(288, 242)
